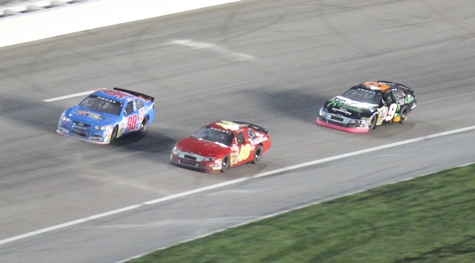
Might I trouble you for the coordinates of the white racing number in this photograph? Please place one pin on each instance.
(391, 112)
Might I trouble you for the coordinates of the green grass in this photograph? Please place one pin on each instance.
(427, 219)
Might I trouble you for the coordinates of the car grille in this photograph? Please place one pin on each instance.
(189, 157)
(81, 124)
(79, 132)
(188, 162)
(336, 118)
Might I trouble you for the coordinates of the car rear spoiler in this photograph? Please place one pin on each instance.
(394, 84)
(254, 126)
(138, 94)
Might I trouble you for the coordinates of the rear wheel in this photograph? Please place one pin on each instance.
(144, 126)
(225, 163)
(257, 155)
(404, 112)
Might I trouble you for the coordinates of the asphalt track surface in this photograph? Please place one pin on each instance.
(271, 63)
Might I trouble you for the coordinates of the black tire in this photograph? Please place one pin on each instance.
(372, 124)
(225, 164)
(144, 126)
(257, 154)
(404, 113)
(114, 134)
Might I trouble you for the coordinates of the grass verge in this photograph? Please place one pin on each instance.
(427, 219)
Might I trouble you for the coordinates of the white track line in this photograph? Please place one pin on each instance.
(215, 186)
(69, 96)
(212, 48)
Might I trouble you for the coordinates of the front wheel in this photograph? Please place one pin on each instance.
(114, 134)
(372, 124)
(225, 164)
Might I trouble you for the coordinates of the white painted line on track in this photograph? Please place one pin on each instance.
(212, 48)
(232, 182)
(69, 96)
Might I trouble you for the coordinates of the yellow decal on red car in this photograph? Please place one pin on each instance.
(244, 152)
(228, 125)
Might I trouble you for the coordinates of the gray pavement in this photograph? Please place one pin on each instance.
(12, 2)
(267, 62)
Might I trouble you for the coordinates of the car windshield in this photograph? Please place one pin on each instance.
(101, 104)
(363, 95)
(214, 135)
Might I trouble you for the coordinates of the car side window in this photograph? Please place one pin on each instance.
(251, 134)
(387, 100)
(129, 108)
(398, 94)
(240, 138)
(138, 104)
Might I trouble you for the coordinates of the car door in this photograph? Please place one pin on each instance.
(389, 107)
(244, 147)
(132, 117)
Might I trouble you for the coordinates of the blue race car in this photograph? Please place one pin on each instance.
(107, 114)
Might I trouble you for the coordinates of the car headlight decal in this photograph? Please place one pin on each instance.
(64, 118)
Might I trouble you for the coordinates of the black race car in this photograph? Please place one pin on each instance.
(367, 105)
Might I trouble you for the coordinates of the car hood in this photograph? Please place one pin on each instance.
(89, 116)
(349, 108)
(202, 147)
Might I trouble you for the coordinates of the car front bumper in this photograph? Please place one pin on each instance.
(84, 133)
(205, 166)
(343, 123)
(340, 127)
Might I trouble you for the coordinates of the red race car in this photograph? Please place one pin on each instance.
(220, 145)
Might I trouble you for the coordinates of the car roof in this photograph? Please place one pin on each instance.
(376, 86)
(113, 94)
(224, 125)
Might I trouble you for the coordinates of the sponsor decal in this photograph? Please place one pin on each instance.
(89, 114)
(141, 113)
(344, 111)
(257, 140)
(234, 158)
(116, 93)
(337, 104)
(216, 129)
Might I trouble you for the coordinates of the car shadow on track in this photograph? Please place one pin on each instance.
(39, 115)
(156, 144)
(43, 117)
(297, 104)
(304, 106)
